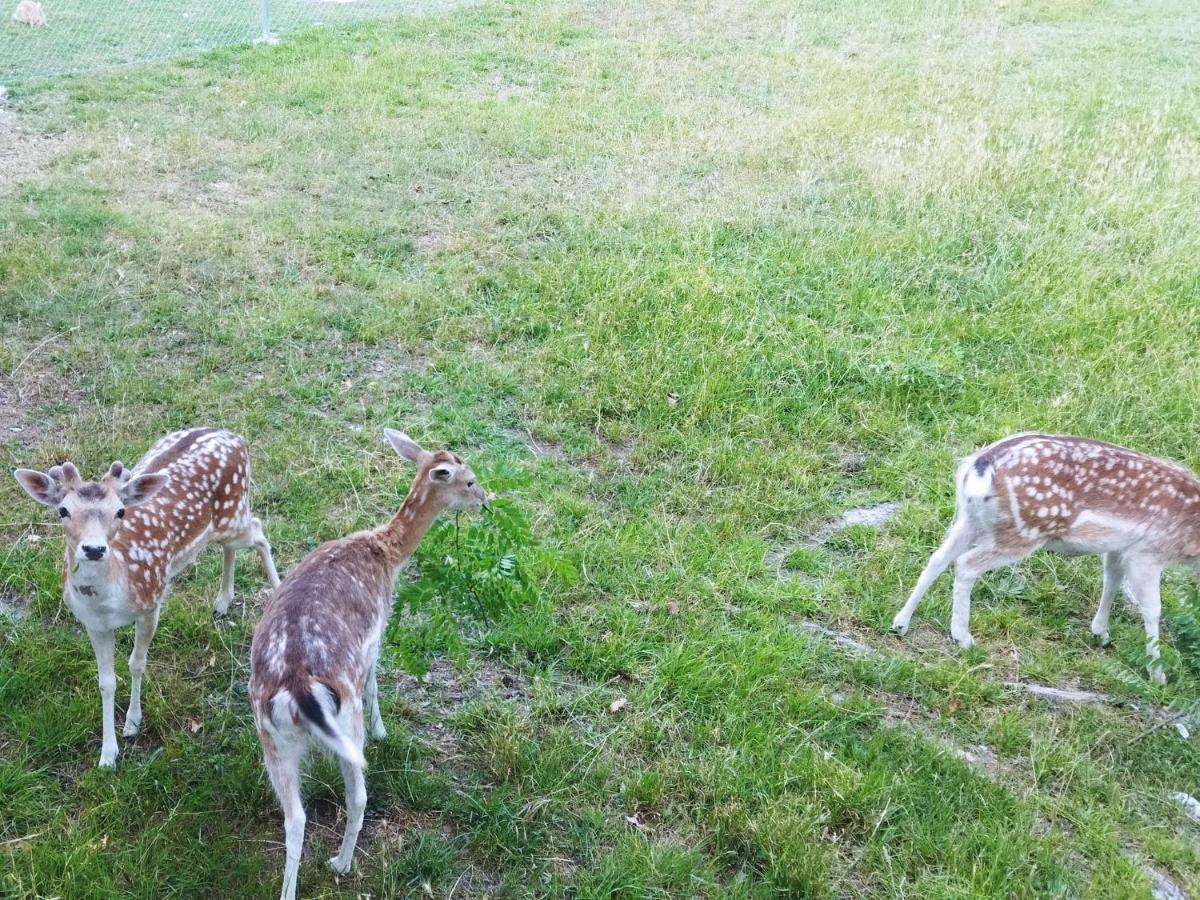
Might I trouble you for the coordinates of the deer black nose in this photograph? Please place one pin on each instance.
(94, 553)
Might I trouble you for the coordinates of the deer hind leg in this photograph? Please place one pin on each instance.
(969, 567)
(371, 700)
(250, 536)
(957, 541)
(284, 771)
(1144, 589)
(1113, 573)
(143, 633)
(356, 804)
(356, 801)
(263, 547)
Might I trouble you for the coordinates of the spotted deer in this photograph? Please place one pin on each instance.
(1073, 496)
(129, 533)
(313, 658)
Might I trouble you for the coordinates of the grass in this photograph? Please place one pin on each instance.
(82, 37)
(703, 276)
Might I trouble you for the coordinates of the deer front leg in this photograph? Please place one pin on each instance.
(956, 542)
(225, 594)
(104, 643)
(143, 633)
(1112, 581)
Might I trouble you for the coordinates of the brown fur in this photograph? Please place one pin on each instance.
(313, 657)
(128, 533)
(220, 500)
(1071, 495)
(344, 589)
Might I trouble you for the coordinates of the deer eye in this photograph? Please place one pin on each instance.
(121, 513)
(62, 512)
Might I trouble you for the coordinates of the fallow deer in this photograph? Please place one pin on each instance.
(1072, 496)
(129, 533)
(313, 658)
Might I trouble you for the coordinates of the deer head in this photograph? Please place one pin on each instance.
(90, 511)
(442, 478)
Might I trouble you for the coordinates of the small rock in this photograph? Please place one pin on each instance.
(617, 705)
(1058, 694)
(1163, 888)
(1183, 730)
(1190, 804)
(636, 822)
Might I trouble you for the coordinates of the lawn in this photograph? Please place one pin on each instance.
(90, 35)
(690, 280)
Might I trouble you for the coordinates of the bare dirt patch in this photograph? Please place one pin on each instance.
(12, 606)
(538, 448)
(28, 387)
(430, 242)
(622, 450)
(25, 154)
(445, 690)
(851, 460)
(872, 516)
(843, 640)
(499, 88)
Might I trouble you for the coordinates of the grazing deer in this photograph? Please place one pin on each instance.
(1073, 496)
(313, 659)
(130, 532)
(30, 12)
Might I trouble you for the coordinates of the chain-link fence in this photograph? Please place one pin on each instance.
(40, 38)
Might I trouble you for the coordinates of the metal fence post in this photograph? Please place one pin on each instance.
(264, 17)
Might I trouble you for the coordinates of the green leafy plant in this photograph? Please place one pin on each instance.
(466, 572)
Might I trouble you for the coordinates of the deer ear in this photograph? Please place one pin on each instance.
(140, 489)
(39, 486)
(404, 445)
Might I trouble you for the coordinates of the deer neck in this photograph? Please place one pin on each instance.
(400, 537)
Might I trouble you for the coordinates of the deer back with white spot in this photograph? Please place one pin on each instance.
(206, 498)
(325, 620)
(313, 657)
(1090, 496)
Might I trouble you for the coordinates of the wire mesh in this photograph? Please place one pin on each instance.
(85, 36)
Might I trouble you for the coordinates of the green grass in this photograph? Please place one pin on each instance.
(700, 256)
(85, 36)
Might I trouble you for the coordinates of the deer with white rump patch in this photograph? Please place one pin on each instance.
(130, 532)
(313, 659)
(1073, 496)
